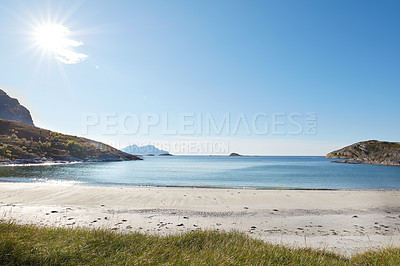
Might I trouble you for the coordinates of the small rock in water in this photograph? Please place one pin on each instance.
(185, 217)
(54, 211)
(354, 216)
(275, 210)
(246, 208)
(179, 225)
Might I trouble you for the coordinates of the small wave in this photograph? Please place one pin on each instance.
(39, 164)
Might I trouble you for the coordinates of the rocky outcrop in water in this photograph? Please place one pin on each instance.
(11, 109)
(369, 152)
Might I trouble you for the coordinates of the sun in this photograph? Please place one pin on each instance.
(56, 39)
(52, 37)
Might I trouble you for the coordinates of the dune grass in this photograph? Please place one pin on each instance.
(33, 245)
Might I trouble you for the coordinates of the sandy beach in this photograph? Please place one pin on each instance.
(343, 221)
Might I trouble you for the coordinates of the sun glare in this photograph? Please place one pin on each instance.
(52, 37)
(55, 38)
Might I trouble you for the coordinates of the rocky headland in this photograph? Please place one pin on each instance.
(368, 152)
(24, 144)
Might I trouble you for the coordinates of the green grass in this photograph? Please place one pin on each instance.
(32, 245)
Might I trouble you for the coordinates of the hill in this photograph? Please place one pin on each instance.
(20, 143)
(369, 152)
(148, 150)
(10, 109)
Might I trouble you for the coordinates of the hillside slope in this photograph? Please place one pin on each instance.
(369, 152)
(10, 109)
(20, 143)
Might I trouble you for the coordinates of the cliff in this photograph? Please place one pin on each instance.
(10, 109)
(20, 143)
(369, 152)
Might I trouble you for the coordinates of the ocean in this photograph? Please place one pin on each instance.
(259, 172)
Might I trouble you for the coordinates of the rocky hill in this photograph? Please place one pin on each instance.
(369, 152)
(10, 109)
(20, 143)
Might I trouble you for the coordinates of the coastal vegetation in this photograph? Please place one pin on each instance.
(32, 144)
(34, 245)
(369, 152)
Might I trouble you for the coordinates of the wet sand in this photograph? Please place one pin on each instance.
(342, 221)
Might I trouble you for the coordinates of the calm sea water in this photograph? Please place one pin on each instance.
(218, 171)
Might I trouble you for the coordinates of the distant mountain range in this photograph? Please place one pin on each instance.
(148, 150)
(369, 152)
(10, 109)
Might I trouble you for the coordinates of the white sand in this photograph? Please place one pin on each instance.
(345, 222)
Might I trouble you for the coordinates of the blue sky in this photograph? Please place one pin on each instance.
(338, 59)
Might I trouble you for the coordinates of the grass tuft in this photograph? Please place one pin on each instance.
(33, 245)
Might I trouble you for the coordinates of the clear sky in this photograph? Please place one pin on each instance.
(263, 61)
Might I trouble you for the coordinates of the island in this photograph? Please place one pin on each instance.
(148, 150)
(368, 152)
(234, 154)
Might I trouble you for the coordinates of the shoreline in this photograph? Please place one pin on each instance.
(116, 185)
(342, 221)
(50, 163)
